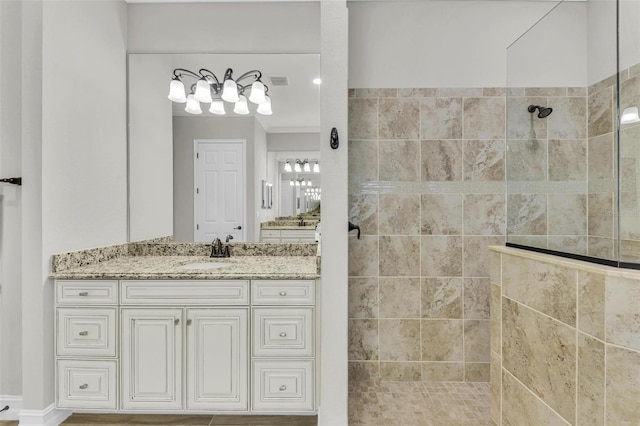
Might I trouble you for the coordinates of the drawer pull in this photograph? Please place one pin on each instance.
(283, 388)
(176, 321)
(283, 334)
(283, 293)
(84, 386)
(83, 293)
(189, 322)
(83, 333)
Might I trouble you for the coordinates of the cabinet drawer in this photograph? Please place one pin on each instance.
(283, 332)
(270, 233)
(86, 331)
(87, 292)
(282, 292)
(86, 384)
(283, 385)
(185, 292)
(307, 234)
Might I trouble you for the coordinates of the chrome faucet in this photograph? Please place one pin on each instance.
(301, 222)
(218, 250)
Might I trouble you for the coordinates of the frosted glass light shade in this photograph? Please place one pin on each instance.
(630, 115)
(265, 107)
(297, 183)
(316, 167)
(307, 166)
(287, 167)
(193, 106)
(217, 107)
(230, 91)
(291, 183)
(176, 92)
(257, 93)
(203, 91)
(297, 167)
(241, 106)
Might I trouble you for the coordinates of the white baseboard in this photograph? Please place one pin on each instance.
(15, 405)
(50, 416)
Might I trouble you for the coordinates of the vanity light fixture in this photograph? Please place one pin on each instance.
(316, 167)
(287, 166)
(297, 183)
(317, 81)
(291, 183)
(297, 167)
(630, 115)
(306, 166)
(208, 89)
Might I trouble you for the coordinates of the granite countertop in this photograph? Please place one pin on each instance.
(168, 267)
(294, 227)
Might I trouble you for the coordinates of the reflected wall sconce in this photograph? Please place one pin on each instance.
(630, 115)
(208, 89)
(301, 165)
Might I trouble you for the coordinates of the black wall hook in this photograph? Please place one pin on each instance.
(14, 180)
(352, 227)
(335, 142)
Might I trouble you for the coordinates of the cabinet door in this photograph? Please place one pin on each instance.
(151, 359)
(217, 366)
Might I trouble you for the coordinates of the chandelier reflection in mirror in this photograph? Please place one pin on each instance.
(208, 89)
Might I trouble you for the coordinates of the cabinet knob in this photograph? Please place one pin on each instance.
(83, 293)
(189, 322)
(83, 386)
(283, 334)
(83, 333)
(283, 293)
(176, 321)
(283, 388)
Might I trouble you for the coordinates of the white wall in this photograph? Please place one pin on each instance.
(293, 142)
(261, 173)
(10, 200)
(438, 43)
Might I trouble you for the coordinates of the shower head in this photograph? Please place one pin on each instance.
(542, 111)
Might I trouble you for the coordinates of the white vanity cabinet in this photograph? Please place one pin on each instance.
(186, 345)
(288, 235)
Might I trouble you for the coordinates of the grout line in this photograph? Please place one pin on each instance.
(537, 311)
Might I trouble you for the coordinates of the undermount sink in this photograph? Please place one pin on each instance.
(204, 265)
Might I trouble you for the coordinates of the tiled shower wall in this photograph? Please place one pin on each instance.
(426, 171)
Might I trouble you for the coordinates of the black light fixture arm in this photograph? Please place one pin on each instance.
(178, 73)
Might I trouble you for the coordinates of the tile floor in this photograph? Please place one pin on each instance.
(379, 403)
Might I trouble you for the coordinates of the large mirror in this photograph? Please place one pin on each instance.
(199, 176)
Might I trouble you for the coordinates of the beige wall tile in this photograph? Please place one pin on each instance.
(545, 91)
(351, 93)
(476, 341)
(364, 211)
(484, 214)
(363, 118)
(376, 93)
(527, 160)
(400, 297)
(441, 160)
(441, 118)
(363, 297)
(590, 381)
(496, 320)
(495, 374)
(601, 247)
(484, 118)
(526, 214)
(442, 371)
(494, 91)
(591, 299)
(567, 119)
(363, 339)
(600, 215)
(548, 288)
(400, 371)
(567, 214)
(399, 340)
(483, 160)
(630, 92)
(441, 214)
(567, 160)
(399, 256)
(460, 92)
(363, 371)
(622, 313)
(441, 298)
(629, 215)
(477, 371)
(576, 91)
(630, 251)
(442, 340)
(476, 298)
(600, 107)
(399, 214)
(400, 160)
(363, 256)
(541, 353)
(495, 267)
(476, 255)
(418, 93)
(601, 157)
(622, 386)
(521, 123)
(363, 162)
(605, 83)
(399, 118)
(441, 256)
(528, 240)
(568, 244)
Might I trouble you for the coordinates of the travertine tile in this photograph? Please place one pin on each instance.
(477, 371)
(399, 340)
(630, 92)
(460, 92)
(496, 387)
(629, 214)
(441, 118)
(521, 124)
(441, 160)
(400, 160)
(600, 108)
(568, 244)
(484, 214)
(442, 371)
(483, 160)
(363, 371)
(545, 91)
(363, 118)
(476, 255)
(527, 160)
(495, 267)
(476, 341)
(400, 297)
(622, 317)
(601, 157)
(541, 353)
(363, 339)
(442, 340)
(363, 162)
(496, 319)
(442, 298)
(399, 214)
(526, 214)
(567, 160)
(351, 93)
(591, 383)
(528, 240)
(494, 91)
(567, 121)
(601, 215)
(576, 91)
(399, 118)
(476, 298)
(484, 118)
(567, 214)
(376, 93)
(363, 256)
(441, 256)
(603, 248)
(364, 211)
(622, 386)
(591, 298)
(548, 288)
(418, 93)
(630, 251)
(519, 406)
(400, 371)
(441, 214)
(363, 297)
(399, 256)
